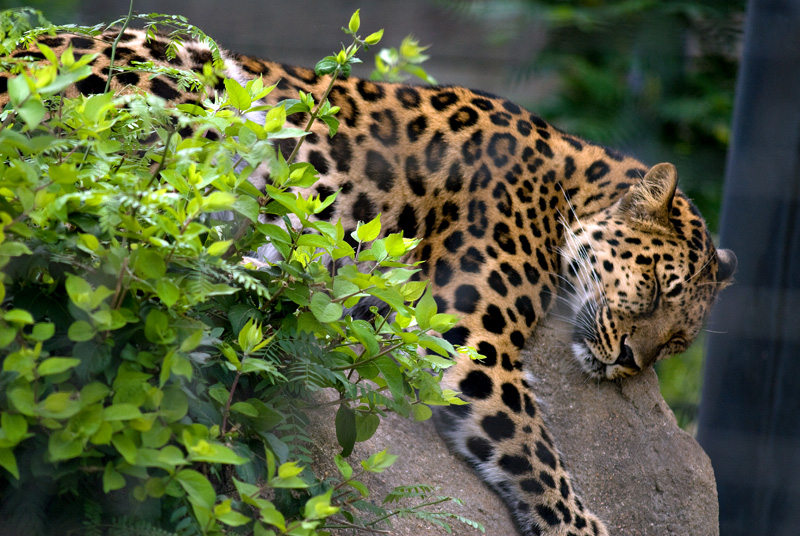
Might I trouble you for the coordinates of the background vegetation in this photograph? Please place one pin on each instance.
(151, 382)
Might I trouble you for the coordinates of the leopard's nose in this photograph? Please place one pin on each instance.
(625, 357)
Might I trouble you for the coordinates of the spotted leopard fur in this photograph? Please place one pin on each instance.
(511, 213)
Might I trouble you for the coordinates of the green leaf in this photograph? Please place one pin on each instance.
(355, 22)
(314, 241)
(89, 242)
(324, 309)
(43, 331)
(149, 264)
(245, 409)
(272, 516)
(97, 106)
(168, 291)
(366, 426)
(15, 427)
(197, 487)
(421, 412)
(275, 119)
(287, 476)
(217, 249)
(247, 207)
(367, 232)
(125, 447)
(346, 429)
(61, 446)
(326, 65)
(94, 392)
(32, 112)
(365, 334)
(60, 405)
(212, 452)
(438, 345)
(112, 479)
(224, 513)
(80, 331)
(250, 336)
(174, 405)
(247, 492)
(18, 90)
(157, 328)
(237, 95)
(171, 455)
(21, 399)
(18, 316)
(425, 309)
(374, 38)
(9, 462)
(56, 365)
(289, 470)
(14, 249)
(21, 363)
(79, 291)
(121, 412)
(320, 507)
(216, 201)
(395, 245)
(360, 487)
(393, 376)
(379, 462)
(344, 467)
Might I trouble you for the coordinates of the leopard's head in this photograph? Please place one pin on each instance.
(641, 277)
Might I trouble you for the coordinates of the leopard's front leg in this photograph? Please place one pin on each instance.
(502, 434)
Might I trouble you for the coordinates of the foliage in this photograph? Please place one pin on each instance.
(397, 64)
(141, 354)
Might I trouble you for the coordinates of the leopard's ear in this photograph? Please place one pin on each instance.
(726, 265)
(651, 199)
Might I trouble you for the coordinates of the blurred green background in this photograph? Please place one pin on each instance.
(653, 78)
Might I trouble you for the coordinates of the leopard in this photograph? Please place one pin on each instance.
(512, 215)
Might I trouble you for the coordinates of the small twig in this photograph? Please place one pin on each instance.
(161, 164)
(116, 303)
(346, 525)
(224, 426)
(371, 359)
(114, 47)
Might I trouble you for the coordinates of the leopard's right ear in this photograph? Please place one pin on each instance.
(650, 200)
(726, 265)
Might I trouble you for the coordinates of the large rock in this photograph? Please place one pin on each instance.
(634, 467)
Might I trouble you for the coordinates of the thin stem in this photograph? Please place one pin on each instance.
(346, 525)
(9, 118)
(116, 301)
(161, 164)
(224, 426)
(314, 113)
(417, 507)
(371, 359)
(114, 47)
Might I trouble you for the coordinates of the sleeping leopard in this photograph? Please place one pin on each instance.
(512, 214)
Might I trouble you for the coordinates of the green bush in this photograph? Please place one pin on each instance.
(142, 358)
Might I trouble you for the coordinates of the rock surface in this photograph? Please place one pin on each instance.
(634, 467)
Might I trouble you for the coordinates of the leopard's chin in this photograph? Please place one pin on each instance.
(595, 368)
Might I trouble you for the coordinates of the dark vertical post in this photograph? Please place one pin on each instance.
(750, 411)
